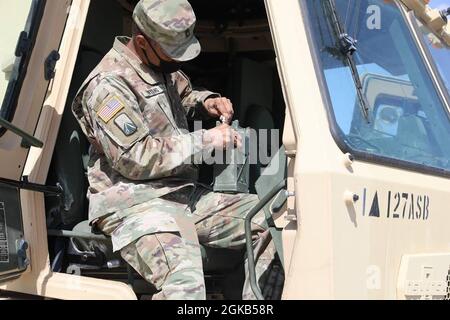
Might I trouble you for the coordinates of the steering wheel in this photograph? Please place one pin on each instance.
(360, 143)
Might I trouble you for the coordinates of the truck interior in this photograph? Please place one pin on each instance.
(237, 60)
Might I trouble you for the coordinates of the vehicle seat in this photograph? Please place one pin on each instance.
(69, 162)
(68, 167)
(88, 253)
(254, 93)
(259, 118)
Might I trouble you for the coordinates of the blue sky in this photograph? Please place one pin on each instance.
(442, 4)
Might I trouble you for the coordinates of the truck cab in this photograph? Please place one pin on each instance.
(350, 100)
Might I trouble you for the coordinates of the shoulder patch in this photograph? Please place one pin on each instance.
(110, 108)
(125, 124)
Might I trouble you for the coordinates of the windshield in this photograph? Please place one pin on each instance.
(439, 51)
(408, 122)
(12, 23)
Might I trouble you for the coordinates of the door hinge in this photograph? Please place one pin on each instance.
(50, 64)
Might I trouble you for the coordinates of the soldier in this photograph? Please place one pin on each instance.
(134, 109)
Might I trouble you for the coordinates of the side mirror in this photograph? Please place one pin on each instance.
(387, 119)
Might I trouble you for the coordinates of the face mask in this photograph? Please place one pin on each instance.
(164, 66)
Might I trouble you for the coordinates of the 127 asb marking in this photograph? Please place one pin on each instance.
(400, 205)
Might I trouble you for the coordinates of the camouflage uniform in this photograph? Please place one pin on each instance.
(142, 172)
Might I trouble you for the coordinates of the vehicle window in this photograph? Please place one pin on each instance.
(12, 23)
(439, 51)
(407, 120)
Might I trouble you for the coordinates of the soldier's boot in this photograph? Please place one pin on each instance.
(169, 262)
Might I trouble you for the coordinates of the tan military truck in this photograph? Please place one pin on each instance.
(356, 192)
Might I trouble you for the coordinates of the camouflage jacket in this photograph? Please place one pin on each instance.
(136, 122)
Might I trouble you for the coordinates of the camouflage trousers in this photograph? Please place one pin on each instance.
(172, 261)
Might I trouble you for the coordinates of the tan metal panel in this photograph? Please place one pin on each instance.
(39, 280)
(34, 88)
(339, 252)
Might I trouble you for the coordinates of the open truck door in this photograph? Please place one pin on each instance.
(37, 61)
(29, 52)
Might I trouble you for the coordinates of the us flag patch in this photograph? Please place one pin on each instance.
(109, 109)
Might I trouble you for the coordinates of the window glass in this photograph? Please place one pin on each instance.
(407, 121)
(13, 20)
(439, 51)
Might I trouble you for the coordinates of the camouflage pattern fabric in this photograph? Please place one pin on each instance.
(143, 176)
(172, 261)
(136, 122)
(171, 24)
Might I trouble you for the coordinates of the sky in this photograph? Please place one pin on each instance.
(441, 4)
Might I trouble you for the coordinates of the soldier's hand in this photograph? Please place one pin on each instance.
(223, 137)
(217, 107)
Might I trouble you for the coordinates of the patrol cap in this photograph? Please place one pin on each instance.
(171, 24)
